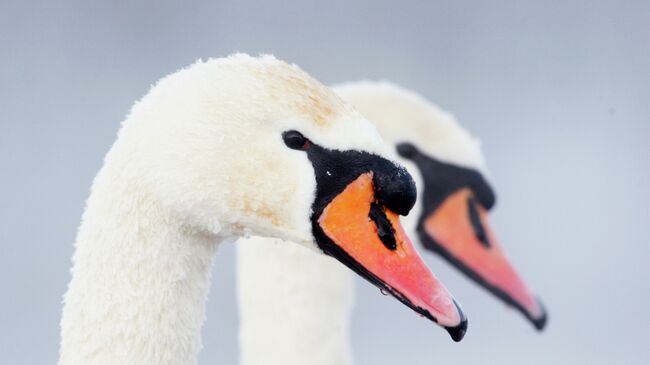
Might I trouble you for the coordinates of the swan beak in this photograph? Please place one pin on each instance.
(459, 231)
(369, 239)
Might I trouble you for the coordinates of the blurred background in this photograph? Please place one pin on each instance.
(559, 93)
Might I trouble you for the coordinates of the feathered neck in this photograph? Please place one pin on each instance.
(139, 281)
(294, 305)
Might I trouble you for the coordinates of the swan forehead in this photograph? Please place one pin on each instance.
(295, 100)
(292, 89)
(254, 99)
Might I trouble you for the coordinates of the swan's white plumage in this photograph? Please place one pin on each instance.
(280, 324)
(198, 160)
(305, 292)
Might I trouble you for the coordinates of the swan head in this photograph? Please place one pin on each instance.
(245, 145)
(455, 196)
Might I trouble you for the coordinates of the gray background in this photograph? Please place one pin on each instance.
(559, 94)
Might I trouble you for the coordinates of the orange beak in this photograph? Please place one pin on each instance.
(459, 231)
(369, 239)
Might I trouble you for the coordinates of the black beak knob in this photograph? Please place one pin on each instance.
(394, 188)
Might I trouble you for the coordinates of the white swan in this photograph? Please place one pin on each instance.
(219, 150)
(305, 318)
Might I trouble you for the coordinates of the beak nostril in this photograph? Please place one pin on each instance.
(475, 220)
(385, 229)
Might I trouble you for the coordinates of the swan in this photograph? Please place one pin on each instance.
(306, 318)
(223, 149)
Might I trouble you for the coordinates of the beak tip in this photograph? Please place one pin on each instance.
(458, 332)
(540, 322)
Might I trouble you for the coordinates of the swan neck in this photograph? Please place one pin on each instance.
(294, 305)
(139, 284)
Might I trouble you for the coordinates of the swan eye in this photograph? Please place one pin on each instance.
(296, 141)
(406, 150)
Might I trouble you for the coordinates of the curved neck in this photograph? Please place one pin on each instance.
(139, 282)
(294, 305)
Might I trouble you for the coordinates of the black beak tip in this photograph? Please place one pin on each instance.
(540, 322)
(458, 332)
